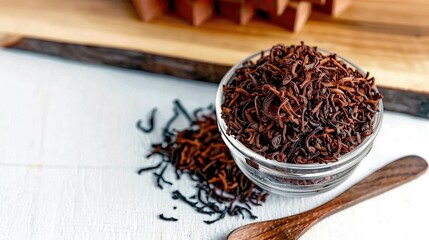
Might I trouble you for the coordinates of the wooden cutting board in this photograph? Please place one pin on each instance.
(389, 38)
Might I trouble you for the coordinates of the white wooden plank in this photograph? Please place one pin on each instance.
(69, 151)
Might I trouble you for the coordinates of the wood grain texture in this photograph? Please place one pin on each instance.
(410, 102)
(291, 228)
(183, 68)
(382, 38)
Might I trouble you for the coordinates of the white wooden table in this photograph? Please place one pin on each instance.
(69, 151)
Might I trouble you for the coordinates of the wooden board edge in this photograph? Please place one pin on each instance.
(405, 101)
(397, 100)
(8, 40)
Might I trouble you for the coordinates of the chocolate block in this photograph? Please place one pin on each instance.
(276, 7)
(333, 7)
(239, 11)
(149, 9)
(293, 18)
(194, 11)
(319, 2)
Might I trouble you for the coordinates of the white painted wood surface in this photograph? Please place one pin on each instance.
(69, 151)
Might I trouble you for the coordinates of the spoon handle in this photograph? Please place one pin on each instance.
(390, 176)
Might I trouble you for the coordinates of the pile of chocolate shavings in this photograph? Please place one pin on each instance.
(298, 106)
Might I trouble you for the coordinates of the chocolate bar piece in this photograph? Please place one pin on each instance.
(333, 7)
(294, 17)
(276, 7)
(194, 11)
(239, 11)
(149, 9)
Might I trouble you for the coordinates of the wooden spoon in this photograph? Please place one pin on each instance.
(392, 175)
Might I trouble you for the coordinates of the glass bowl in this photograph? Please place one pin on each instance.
(291, 179)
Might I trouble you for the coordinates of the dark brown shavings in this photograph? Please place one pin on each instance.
(170, 219)
(151, 123)
(200, 153)
(298, 106)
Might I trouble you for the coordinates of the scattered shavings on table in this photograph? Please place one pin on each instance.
(200, 153)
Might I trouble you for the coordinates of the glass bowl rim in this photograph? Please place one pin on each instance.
(258, 157)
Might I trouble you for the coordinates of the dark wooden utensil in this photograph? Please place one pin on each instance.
(392, 175)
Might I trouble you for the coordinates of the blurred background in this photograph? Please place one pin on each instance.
(201, 39)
